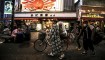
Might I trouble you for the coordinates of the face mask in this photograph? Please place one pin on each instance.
(84, 25)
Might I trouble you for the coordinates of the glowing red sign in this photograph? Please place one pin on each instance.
(38, 4)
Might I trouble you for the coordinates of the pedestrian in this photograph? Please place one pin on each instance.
(78, 30)
(14, 32)
(56, 41)
(98, 29)
(87, 32)
(19, 35)
(62, 30)
(6, 31)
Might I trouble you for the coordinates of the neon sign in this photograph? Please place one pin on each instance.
(41, 5)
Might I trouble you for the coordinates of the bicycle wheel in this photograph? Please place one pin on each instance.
(40, 45)
(2, 40)
(64, 45)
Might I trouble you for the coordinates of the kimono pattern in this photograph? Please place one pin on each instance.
(55, 40)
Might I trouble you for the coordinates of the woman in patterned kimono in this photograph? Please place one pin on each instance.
(56, 41)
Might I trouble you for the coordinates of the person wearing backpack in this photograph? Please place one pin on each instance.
(87, 32)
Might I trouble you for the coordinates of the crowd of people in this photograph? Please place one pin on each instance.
(57, 33)
(18, 34)
(86, 31)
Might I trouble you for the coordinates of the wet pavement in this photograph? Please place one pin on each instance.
(25, 51)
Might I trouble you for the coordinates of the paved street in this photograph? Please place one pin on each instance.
(25, 51)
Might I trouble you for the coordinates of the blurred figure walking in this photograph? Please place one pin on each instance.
(56, 40)
(87, 32)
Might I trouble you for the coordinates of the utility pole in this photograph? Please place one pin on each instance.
(2, 13)
(12, 20)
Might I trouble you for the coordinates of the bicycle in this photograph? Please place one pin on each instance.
(40, 44)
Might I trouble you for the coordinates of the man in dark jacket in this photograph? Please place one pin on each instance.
(87, 33)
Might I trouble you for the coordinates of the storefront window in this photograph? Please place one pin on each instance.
(47, 24)
(34, 25)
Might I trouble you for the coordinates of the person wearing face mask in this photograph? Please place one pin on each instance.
(87, 33)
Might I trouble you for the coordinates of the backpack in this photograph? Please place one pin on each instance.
(97, 37)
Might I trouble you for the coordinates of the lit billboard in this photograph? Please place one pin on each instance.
(41, 5)
(8, 7)
(17, 6)
(75, 1)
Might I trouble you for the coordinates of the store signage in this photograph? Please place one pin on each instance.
(18, 6)
(8, 7)
(41, 5)
(92, 15)
(45, 15)
(93, 11)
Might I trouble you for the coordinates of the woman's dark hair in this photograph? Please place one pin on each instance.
(15, 27)
(7, 3)
(55, 21)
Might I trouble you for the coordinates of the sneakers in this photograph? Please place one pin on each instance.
(50, 54)
(84, 53)
(78, 48)
(62, 56)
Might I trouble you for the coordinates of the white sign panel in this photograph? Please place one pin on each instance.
(45, 15)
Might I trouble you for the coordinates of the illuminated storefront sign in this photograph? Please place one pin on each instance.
(8, 7)
(93, 11)
(92, 15)
(45, 15)
(41, 5)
